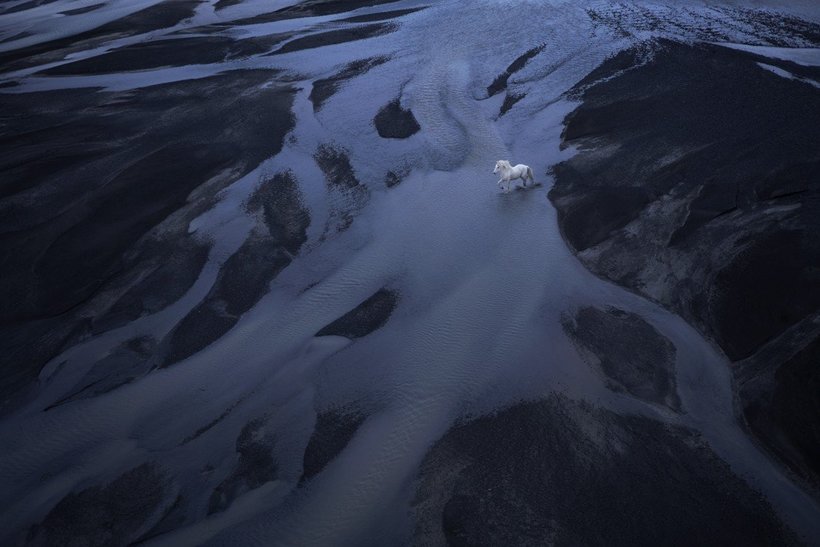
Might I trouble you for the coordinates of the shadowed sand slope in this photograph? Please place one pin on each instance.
(701, 192)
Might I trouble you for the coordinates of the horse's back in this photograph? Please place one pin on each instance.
(521, 170)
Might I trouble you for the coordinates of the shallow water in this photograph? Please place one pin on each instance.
(484, 279)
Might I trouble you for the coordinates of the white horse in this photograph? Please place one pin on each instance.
(508, 173)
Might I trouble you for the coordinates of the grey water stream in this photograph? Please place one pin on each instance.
(484, 280)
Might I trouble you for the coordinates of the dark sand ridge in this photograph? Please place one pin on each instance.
(160, 16)
(112, 133)
(103, 182)
(701, 193)
(622, 485)
(533, 472)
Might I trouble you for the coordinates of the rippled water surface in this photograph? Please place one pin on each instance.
(483, 278)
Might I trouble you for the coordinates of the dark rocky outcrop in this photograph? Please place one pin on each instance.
(632, 355)
(394, 122)
(559, 472)
(365, 318)
(696, 185)
(333, 431)
(118, 513)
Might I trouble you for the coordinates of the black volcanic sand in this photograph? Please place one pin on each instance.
(246, 275)
(559, 472)
(311, 8)
(394, 122)
(221, 4)
(394, 177)
(628, 351)
(335, 164)
(697, 186)
(500, 83)
(121, 366)
(87, 9)
(379, 16)
(117, 513)
(780, 391)
(346, 194)
(255, 465)
(332, 433)
(156, 17)
(169, 52)
(370, 315)
(332, 37)
(24, 6)
(777, 28)
(325, 88)
(97, 192)
(509, 101)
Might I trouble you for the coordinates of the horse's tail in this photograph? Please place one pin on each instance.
(529, 174)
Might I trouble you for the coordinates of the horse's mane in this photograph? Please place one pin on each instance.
(505, 163)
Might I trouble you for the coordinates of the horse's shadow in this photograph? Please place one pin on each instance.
(514, 200)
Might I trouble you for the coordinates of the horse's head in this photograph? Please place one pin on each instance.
(498, 165)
